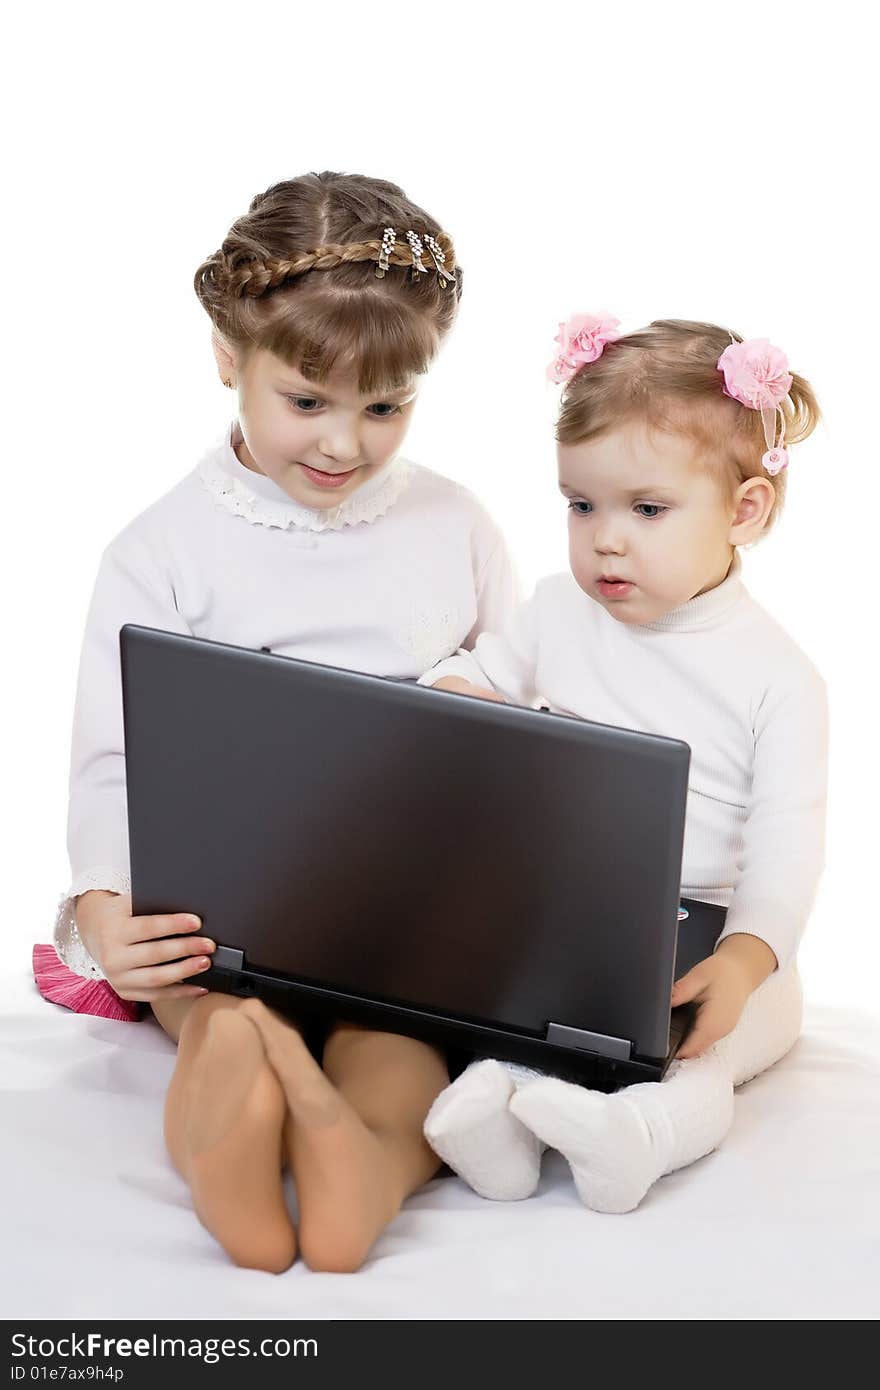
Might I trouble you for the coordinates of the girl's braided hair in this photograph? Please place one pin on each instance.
(296, 276)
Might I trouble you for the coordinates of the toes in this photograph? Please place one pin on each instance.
(274, 1030)
(556, 1111)
(480, 1092)
(273, 1034)
(270, 1251)
(332, 1251)
(255, 1010)
(470, 1126)
(492, 1078)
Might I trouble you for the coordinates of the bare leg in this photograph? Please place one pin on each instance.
(224, 1127)
(354, 1135)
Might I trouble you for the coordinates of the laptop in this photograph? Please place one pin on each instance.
(488, 878)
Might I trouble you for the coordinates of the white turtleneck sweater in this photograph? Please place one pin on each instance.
(722, 675)
(404, 572)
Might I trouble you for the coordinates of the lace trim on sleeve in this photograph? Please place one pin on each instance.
(68, 942)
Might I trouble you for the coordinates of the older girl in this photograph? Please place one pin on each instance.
(303, 530)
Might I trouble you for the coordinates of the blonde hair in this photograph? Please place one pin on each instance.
(296, 276)
(666, 375)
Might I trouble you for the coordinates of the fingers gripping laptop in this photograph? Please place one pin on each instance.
(481, 876)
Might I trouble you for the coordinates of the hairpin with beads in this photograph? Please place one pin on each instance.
(386, 250)
(439, 259)
(416, 247)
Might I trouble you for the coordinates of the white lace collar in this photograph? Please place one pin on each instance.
(258, 500)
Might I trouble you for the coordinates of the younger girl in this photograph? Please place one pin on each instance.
(305, 532)
(671, 456)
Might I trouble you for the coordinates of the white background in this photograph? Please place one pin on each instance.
(675, 160)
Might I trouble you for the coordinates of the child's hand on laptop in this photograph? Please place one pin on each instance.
(136, 962)
(721, 986)
(463, 687)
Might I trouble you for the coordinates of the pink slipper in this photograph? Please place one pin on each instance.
(61, 986)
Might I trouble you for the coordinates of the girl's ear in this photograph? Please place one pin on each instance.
(224, 356)
(752, 505)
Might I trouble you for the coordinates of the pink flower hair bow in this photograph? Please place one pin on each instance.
(581, 340)
(756, 374)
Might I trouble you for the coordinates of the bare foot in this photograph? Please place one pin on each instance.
(222, 1077)
(233, 1127)
(346, 1181)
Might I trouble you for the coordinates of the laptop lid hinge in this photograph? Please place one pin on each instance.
(227, 958)
(562, 1036)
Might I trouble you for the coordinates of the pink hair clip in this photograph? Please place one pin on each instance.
(582, 339)
(756, 374)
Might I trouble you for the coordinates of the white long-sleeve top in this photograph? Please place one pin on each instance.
(722, 675)
(404, 572)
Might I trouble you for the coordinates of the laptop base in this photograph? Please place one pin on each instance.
(310, 1003)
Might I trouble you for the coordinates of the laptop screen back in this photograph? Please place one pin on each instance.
(474, 859)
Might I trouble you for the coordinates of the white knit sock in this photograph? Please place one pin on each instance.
(769, 1027)
(607, 1143)
(619, 1145)
(471, 1128)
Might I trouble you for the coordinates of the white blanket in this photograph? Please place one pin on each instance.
(782, 1222)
